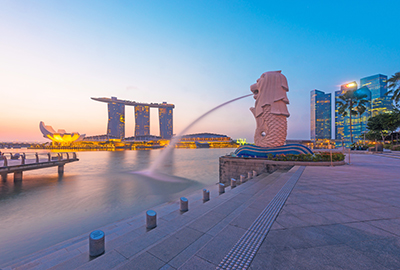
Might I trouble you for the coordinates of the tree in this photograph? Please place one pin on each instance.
(348, 104)
(393, 85)
(384, 124)
(361, 108)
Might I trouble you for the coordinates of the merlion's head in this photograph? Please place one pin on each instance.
(271, 89)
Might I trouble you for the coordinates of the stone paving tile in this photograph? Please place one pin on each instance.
(196, 263)
(277, 226)
(106, 261)
(186, 254)
(246, 218)
(123, 239)
(167, 267)
(72, 263)
(271, 259)
(344, 257)
(335, 217)
(295, 209)
(281, 240)
(385, 252)
(216, 249)
(140, 243)
(207, 221)
(371, 232)
(390, 225)
(144, 261)
(54, 260)
(314, 219)
(41, 260)
(314, 236)
(389, 212)
(174, 244)
(289, 221)
(359, 215)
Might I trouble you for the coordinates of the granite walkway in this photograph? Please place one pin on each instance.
(345, 217)
(339, 218)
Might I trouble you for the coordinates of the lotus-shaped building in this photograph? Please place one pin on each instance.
(61, 136)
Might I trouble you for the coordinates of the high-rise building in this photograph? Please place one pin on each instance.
(116, 120)
(342, 126)
(321, 116)
(380, 102)
(376, 84)
(373, 89)
(142, 120)
(166, 124)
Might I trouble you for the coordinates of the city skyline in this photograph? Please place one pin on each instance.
(56, 55)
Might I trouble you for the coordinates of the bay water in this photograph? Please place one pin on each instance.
(45, 209)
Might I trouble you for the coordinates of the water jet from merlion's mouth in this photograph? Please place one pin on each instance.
(165, 152)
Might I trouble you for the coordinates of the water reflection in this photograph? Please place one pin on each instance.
(95, 191)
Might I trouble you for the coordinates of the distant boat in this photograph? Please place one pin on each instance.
(202, 145)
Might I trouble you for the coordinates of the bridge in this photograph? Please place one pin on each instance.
(18, 163)
(116, 117)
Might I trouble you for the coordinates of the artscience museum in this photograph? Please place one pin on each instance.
(61, 136)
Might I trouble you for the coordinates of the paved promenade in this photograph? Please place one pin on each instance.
(345, 217)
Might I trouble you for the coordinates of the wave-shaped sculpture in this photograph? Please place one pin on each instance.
(61, 136)
(263, 152)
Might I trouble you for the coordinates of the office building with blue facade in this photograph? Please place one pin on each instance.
(373, 89)
(320, 115)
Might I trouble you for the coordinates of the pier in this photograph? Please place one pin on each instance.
(17, 163)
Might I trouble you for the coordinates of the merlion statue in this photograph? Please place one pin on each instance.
(270, 109)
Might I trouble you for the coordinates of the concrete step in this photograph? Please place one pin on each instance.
(204, 234)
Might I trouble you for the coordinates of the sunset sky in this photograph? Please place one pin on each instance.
(55, 55)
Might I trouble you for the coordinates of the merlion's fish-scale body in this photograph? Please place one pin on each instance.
(270, 109)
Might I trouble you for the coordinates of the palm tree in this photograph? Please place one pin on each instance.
(394, 87)
(347, 105)
(361, 108)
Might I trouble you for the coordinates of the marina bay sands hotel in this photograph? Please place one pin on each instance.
(116, 117)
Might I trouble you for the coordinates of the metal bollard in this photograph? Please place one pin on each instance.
(221, 188)
(96, 243)
(184, 204)
(233, 183)
(242, 179)
(151, 219)
(206, 195)
(249, 175)
(254, 173)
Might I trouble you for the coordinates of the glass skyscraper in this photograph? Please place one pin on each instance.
(374, 89)
(376, 84)
(342, 124)
(321, 120)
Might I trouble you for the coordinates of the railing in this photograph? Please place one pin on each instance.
(10, 159)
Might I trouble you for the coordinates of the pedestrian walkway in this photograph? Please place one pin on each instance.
(345, 217)
(339, 218)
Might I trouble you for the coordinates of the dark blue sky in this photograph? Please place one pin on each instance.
(195, 54)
